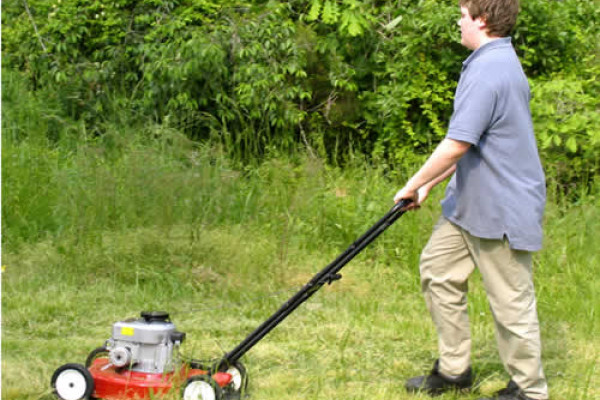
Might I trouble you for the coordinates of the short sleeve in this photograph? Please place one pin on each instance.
(474, 105)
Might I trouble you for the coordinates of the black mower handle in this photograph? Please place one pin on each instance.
(327, 275)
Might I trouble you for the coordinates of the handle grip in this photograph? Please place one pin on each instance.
(401, 204)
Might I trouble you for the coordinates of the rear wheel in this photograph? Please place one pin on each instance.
(201, 387)
(239, 377)
(73, 382)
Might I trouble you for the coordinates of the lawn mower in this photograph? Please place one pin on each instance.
(141, 360)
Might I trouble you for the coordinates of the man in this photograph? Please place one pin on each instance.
(492, 211)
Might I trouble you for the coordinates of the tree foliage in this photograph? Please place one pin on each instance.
(334, 76)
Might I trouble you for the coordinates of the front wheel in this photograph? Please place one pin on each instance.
(201, 387)
(72, 382)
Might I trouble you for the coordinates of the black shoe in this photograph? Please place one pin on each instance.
(510, 392)
(435, 383)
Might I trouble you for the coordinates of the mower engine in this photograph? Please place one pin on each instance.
(146, 344)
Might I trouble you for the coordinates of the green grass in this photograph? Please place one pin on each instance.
(96, 231)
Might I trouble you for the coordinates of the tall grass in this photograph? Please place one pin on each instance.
(95, 230)
(149, 175)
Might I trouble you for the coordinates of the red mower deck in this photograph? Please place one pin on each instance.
(117, 383)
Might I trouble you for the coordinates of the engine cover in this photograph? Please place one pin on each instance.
(146, 344)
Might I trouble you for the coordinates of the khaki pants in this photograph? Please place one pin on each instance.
(446, 263)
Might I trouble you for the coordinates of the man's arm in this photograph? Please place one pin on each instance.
(440, 165)
(425, 189)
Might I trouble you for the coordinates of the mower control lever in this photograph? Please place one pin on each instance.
(333, 278)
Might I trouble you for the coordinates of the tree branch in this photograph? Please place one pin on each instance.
(34, 26)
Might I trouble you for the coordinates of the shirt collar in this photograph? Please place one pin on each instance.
(494, 44)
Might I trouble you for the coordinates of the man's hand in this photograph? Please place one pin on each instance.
(417, 196)
(408, 194)
(424, 193)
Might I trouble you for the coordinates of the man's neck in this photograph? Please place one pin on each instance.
(485, 39)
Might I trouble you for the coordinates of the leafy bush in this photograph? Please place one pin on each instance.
(553, 36)
(567, 120)
(92, 50)
(417, 68)
(333, 76)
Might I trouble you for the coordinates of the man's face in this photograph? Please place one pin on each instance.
(470, 29)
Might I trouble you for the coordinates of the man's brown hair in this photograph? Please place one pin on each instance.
(500, 15)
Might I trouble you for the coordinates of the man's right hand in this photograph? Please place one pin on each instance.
(408, 194)
(417, 197)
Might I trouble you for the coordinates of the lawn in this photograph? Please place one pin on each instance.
(221, 249)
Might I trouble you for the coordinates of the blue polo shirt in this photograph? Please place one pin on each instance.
(498, 189)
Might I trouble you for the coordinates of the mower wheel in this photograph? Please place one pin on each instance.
(72, 382)
(239, 377)
(201, 387)
(99, 352)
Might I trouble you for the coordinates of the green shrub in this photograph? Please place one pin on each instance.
(567, 121)
(335, 77)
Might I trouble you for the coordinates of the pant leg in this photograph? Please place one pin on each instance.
(445, 268)
(508, 280)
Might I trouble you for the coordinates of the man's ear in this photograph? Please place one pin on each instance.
(482, 22)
